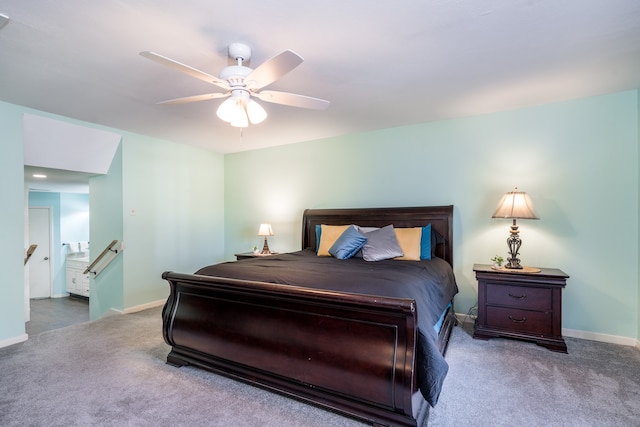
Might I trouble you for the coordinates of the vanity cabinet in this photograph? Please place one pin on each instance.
(77, 282)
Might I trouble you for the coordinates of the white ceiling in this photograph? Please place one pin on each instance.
(382, 63)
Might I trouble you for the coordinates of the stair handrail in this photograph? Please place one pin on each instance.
(102, 255)
(30, 252)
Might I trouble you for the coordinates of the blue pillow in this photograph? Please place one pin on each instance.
(349, 242)
(425, 243)
(318, 235)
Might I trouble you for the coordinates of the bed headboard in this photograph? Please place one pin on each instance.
(440, 218)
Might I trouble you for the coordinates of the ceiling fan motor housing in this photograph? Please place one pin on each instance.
(235, 74)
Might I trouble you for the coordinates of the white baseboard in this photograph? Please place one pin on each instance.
(141, 307)
(596, 336)
(584, 335)
(135, 309)
(461, 317)
(14, 340)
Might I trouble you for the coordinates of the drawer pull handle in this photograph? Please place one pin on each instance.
(524, 319)
(523, 296)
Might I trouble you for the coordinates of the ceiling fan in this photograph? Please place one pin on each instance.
(241, 84)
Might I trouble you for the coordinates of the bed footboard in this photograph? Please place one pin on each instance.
(346, 352)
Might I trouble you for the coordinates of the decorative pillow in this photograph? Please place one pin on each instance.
(318, 235)
(381, 244)
(436, 239)
(427, 244)
(429, 240)
(410, 243)
(328, 236)
(364, 230)
(348, 243)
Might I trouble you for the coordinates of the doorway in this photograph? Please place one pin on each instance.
(65, 220)
(64, 155)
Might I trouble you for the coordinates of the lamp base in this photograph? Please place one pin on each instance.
(514, 243)
(265, 248)
(513, 264)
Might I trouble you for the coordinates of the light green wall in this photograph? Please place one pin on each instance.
(164, 202)
(176, 194)
(105, 210)
(12, 213)
(578, 160)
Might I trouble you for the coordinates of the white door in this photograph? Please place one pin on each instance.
(40, 263)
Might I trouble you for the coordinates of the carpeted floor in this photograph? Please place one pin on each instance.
(111, 372)
(504, 382)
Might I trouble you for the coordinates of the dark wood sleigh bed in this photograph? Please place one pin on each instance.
(353, 353)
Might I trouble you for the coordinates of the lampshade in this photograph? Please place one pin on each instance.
(265, 230)
(239, 109)
(517, 205)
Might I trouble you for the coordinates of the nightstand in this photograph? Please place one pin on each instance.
(521, 304)
(247, 255)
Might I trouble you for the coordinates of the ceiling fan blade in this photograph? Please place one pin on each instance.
(196, 98)
(292, 99)
(185, 69)
(274, 68)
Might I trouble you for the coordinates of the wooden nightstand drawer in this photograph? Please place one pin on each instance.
(519, 297)
(509, 319)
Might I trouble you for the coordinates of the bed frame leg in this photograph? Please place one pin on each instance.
(176, 361)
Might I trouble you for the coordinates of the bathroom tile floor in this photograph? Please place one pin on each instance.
(55, 313)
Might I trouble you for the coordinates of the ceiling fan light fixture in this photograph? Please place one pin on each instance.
(256, 113)
(232, 111)
(240, 117)
(226, 110)
(239, 109)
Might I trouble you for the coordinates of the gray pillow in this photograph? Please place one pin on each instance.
(381, 244)
(363, 231)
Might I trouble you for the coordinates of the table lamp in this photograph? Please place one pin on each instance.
(265, 230)
(515, 205)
